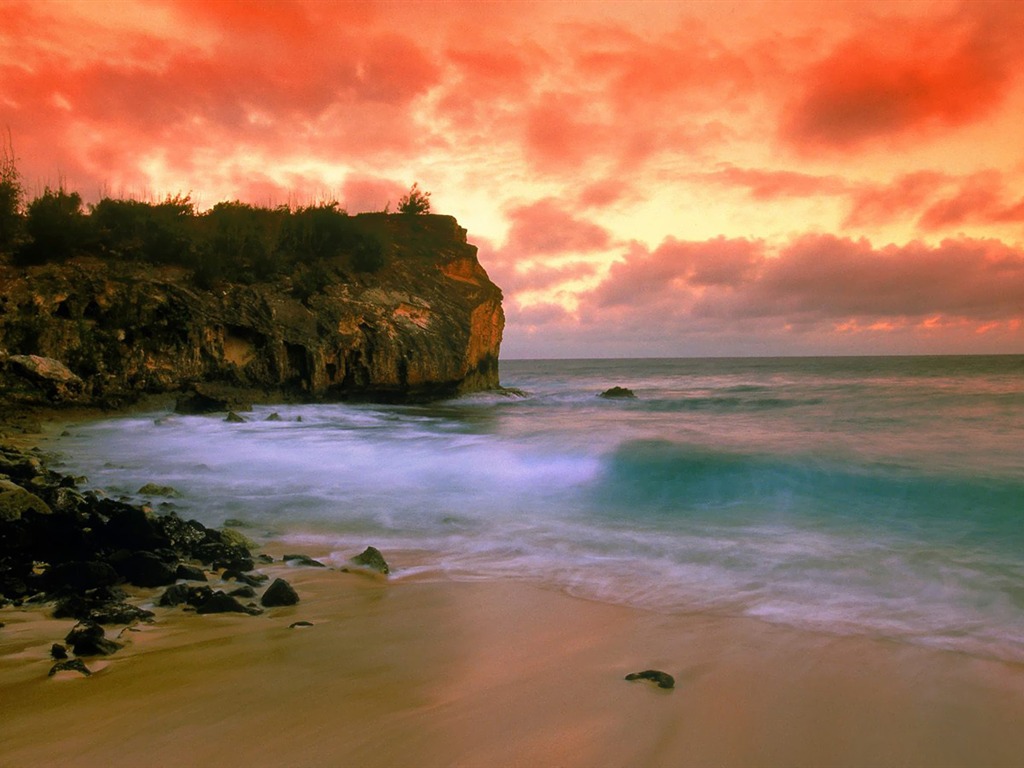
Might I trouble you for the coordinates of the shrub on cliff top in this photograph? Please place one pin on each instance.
(11, 195)
(56, 227)
(415, 202)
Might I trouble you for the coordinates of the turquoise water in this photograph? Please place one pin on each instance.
(872, 496)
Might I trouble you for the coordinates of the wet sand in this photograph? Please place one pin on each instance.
(416, 673)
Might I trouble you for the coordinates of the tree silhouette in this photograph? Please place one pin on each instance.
(416, 201)
(11, 194)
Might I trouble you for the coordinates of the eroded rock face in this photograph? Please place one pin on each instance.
(427, 324)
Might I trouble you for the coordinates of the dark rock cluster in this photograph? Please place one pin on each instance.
(79, 550)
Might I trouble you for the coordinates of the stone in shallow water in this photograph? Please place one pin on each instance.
(303, 560)
(371, 559)
(152, 489)
(618, 392)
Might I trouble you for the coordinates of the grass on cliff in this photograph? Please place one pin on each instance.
(231, 242)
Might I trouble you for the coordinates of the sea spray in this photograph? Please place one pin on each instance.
(874, 496)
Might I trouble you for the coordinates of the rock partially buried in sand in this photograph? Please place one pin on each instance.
(303, 560)
(618, 392)
(279, 593)
(70, 665)
(234, 418)
(663, 679)
(370, 559)
(300, 624)
(87, 639)
(219, 602)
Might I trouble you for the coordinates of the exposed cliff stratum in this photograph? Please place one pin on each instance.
(426, 323)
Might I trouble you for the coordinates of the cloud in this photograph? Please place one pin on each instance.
(901, 76)
(980, 198)
(881, 203)
(545, 227)
(676, 271)
(823, 291)
(764, 184)
(139, 107)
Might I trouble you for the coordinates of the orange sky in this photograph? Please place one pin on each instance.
(642, 178)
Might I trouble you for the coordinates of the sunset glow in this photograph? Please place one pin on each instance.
(643, 179)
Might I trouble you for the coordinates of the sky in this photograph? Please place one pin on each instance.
(642, 179)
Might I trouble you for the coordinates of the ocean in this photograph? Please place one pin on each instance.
(873, 496)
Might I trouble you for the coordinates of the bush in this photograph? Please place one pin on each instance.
(243, 238)
(11, 194)
(56, 227)
(415, 202)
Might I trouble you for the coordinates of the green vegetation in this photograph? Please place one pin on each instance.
(231, 242)
(414, 202)
(11, 193)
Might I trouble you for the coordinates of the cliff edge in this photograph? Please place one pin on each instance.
(425, 323)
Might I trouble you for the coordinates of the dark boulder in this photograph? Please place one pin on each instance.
(245, 592)
(120, 613)
(100, 606)
(130, 527)
(15, 502)
(81, 575)
(219, 602)
(234, 418)
(87, 639)
(279, 593)
(58, 651)
(190, 572)
(618, 393)
(196, 403)
(70, 665)
(663, 679)
(145, 569)
(178, 594)
(152, 489)
(372, 560)
(218, 554)
(303, 560)
(250, 579)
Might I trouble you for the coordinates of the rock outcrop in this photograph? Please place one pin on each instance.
(427, 323)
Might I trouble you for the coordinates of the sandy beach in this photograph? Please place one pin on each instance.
(493, 674)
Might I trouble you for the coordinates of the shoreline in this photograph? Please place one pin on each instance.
(420, 671)
(495, 673)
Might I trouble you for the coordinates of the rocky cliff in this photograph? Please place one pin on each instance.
(426, 323)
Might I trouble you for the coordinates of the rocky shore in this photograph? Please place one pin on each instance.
(81, 555)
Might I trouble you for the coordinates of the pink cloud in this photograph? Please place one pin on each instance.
(814, 280)
(544, 227)
(763, 184)
(900, 77)
(369, 193)
(882, 203)
(980, 198)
